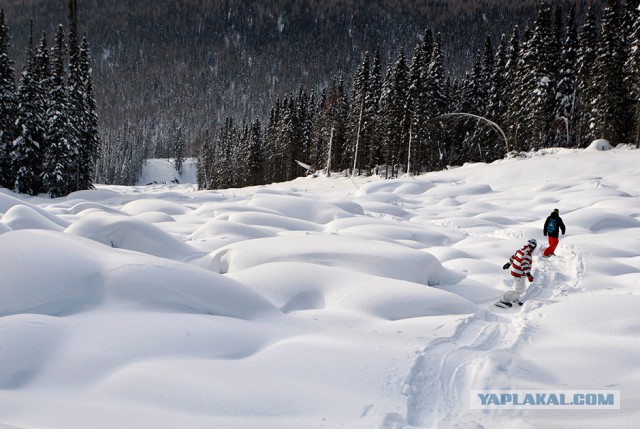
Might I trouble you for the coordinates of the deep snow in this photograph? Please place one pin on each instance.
(322, 302)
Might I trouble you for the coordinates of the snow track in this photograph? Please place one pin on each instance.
(483, 350)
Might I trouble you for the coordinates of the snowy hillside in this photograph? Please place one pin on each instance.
(163, 171)
(322, 302)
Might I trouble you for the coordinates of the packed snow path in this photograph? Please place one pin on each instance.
(483, 349)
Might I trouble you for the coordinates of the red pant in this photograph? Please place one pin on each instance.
(553, 243)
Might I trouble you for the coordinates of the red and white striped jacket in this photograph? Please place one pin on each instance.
(521, 262)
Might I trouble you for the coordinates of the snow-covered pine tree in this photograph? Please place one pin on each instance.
(76, 99)
(510, 123)
(58, 156)
(287, 139)
(416, 106)
(8, 108)
(179, 148)
(474, 98)
(437, 92)
(205, 160)
(30, 145)
(256, 154)
(340, 121)
(308, 107)
(539, 118)
(89, 136)
(585, 88)
(498, 85)
(393, 114)
(557, 123)
(373, 154)
(270, 143)
(356, 118)
(474, 101)
(426, 48)
(630, 16)
(608, 115)
(438, 103)
(633, 80)
(242, 158)
(566, 91)
(487, 67)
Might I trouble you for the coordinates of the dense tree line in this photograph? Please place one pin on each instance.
(49, 138)
(553, 83)
(160, 66)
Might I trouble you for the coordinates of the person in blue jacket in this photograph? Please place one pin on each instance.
(552, 228)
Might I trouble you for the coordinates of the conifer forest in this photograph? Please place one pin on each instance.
(264, 92)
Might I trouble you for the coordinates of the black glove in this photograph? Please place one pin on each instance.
(506, 266)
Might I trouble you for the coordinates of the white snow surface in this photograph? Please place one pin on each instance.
(323, 302)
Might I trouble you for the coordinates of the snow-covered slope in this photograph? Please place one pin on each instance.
(322, 302)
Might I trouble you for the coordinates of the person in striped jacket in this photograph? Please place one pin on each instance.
(520, 264)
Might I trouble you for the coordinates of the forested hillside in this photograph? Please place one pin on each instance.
(168, 75)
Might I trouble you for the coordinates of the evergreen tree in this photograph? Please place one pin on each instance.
(30, 145)
(8, 108)
(242, 158)
(256, 154)
(88, 137)
(179, 147)
(436, 81)
(357, 117)
(393, 118)
(497, 108)
(438, 103)
(498, 85)
(270, 143)
(512, 90)
(487, 68)
(205, 162)
(426, 49)
(541, 115)
(608, 113)
(633, 81)
(585, 89)
(555, 45)
(474, 97)
(416, 105)
(56, 159)
(76, 90)
(565, 96)
(373, 151)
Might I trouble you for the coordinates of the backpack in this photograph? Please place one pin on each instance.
(552, 226)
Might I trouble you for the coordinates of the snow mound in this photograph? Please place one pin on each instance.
(600, 145)
(130, 233)
(305, 208)
(297, 287)
(155, 205)
(380, 259)
(75, 274)
(25, 217)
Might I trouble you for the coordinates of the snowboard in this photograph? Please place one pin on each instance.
(503, 304)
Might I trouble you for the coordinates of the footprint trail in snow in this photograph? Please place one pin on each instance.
(482, 352)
